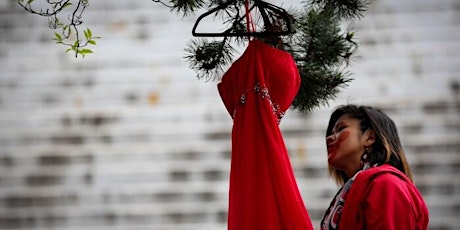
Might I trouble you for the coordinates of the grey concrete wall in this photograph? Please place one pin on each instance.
(128, 138)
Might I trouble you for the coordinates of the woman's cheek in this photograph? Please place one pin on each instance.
(342, 137)
(333, 158)
(332, 152)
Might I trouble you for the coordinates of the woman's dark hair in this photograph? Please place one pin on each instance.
(387, 148)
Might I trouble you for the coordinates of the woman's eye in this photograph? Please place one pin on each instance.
(340, 128)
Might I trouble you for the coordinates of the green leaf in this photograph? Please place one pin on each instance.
(92, 42)
(85, 51)
(90, 34)
(58, 37)
(86, 34)
(30, 1)
(66, 5)
(66, 30)
(69, 49)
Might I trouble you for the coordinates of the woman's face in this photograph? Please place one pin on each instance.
(346, 145)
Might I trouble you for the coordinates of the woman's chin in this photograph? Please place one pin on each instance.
(330, 159)
(334, 162)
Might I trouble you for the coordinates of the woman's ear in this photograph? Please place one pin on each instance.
(369, 137)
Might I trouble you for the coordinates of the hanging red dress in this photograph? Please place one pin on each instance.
(257, 89)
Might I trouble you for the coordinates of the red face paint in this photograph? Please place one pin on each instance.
(343, 136)
(334, 146)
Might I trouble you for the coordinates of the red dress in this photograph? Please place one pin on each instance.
(257, 89)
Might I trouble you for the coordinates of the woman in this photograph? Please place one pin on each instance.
(366, 158)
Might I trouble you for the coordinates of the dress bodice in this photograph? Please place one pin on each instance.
(265, 70)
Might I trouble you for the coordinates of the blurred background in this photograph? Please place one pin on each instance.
(128, 138)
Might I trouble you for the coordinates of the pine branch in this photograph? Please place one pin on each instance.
(321, 53)
(342, 9)
(209, 59)
(186, 7)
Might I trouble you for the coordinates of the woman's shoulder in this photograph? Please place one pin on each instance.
(388, 181)
(382, 178)
(384, 174)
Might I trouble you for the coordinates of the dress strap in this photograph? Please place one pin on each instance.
(250, 27)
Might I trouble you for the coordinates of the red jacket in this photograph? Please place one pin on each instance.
(383, 198)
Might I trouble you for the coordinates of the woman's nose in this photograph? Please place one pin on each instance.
(330, 138)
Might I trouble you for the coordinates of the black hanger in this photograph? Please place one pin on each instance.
(271, 14)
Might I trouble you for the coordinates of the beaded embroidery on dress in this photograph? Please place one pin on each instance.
(263, 93)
